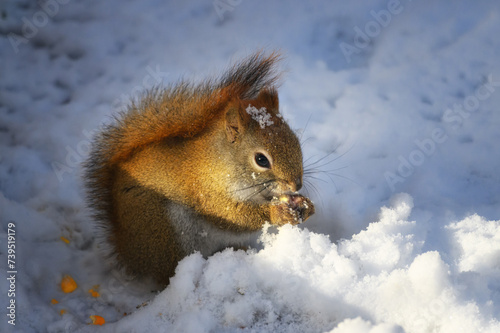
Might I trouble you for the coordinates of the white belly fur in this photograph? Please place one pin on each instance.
(196, 234)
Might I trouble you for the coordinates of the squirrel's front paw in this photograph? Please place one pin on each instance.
(293, 209)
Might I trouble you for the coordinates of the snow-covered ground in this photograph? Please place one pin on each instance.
(404, 94)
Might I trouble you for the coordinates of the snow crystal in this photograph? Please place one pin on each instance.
(260, 115)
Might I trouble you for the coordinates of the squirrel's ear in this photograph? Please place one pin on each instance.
(268, 97)
(235, 121)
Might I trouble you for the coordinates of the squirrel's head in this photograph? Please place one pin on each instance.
(266, 151)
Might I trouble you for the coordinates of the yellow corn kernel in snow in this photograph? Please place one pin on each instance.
(94, 293)
(97, 320)
(54, 301)
(68, 285)
(65, 240)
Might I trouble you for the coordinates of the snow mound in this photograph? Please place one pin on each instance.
(477, 244)
(377, 281)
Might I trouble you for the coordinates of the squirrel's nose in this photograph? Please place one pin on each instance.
(294, 186)
(298, 184)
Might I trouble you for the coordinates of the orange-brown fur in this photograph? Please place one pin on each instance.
(182, 156)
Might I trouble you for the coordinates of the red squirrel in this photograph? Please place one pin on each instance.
(196, 167)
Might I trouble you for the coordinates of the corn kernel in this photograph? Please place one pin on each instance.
(68, 285)
(97, 320)
(94, 293)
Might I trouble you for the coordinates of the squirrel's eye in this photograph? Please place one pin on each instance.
(262, 161)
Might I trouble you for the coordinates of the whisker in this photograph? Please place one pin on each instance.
(307, 159)
(318, 170)
(252, 186)
(316, 178)
(344, 177)
(317, 195)
(265, 186)
(314, 170)
(308, 184)
(304, 130)
(302, 143)
(306, 190)
(325, 157)
(315, 163)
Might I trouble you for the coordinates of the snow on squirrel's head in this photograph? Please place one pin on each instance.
(267, 152)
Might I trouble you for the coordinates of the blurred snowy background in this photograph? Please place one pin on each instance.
(404, 96)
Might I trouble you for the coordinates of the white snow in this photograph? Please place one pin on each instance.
(260, 115)
(397, 106)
